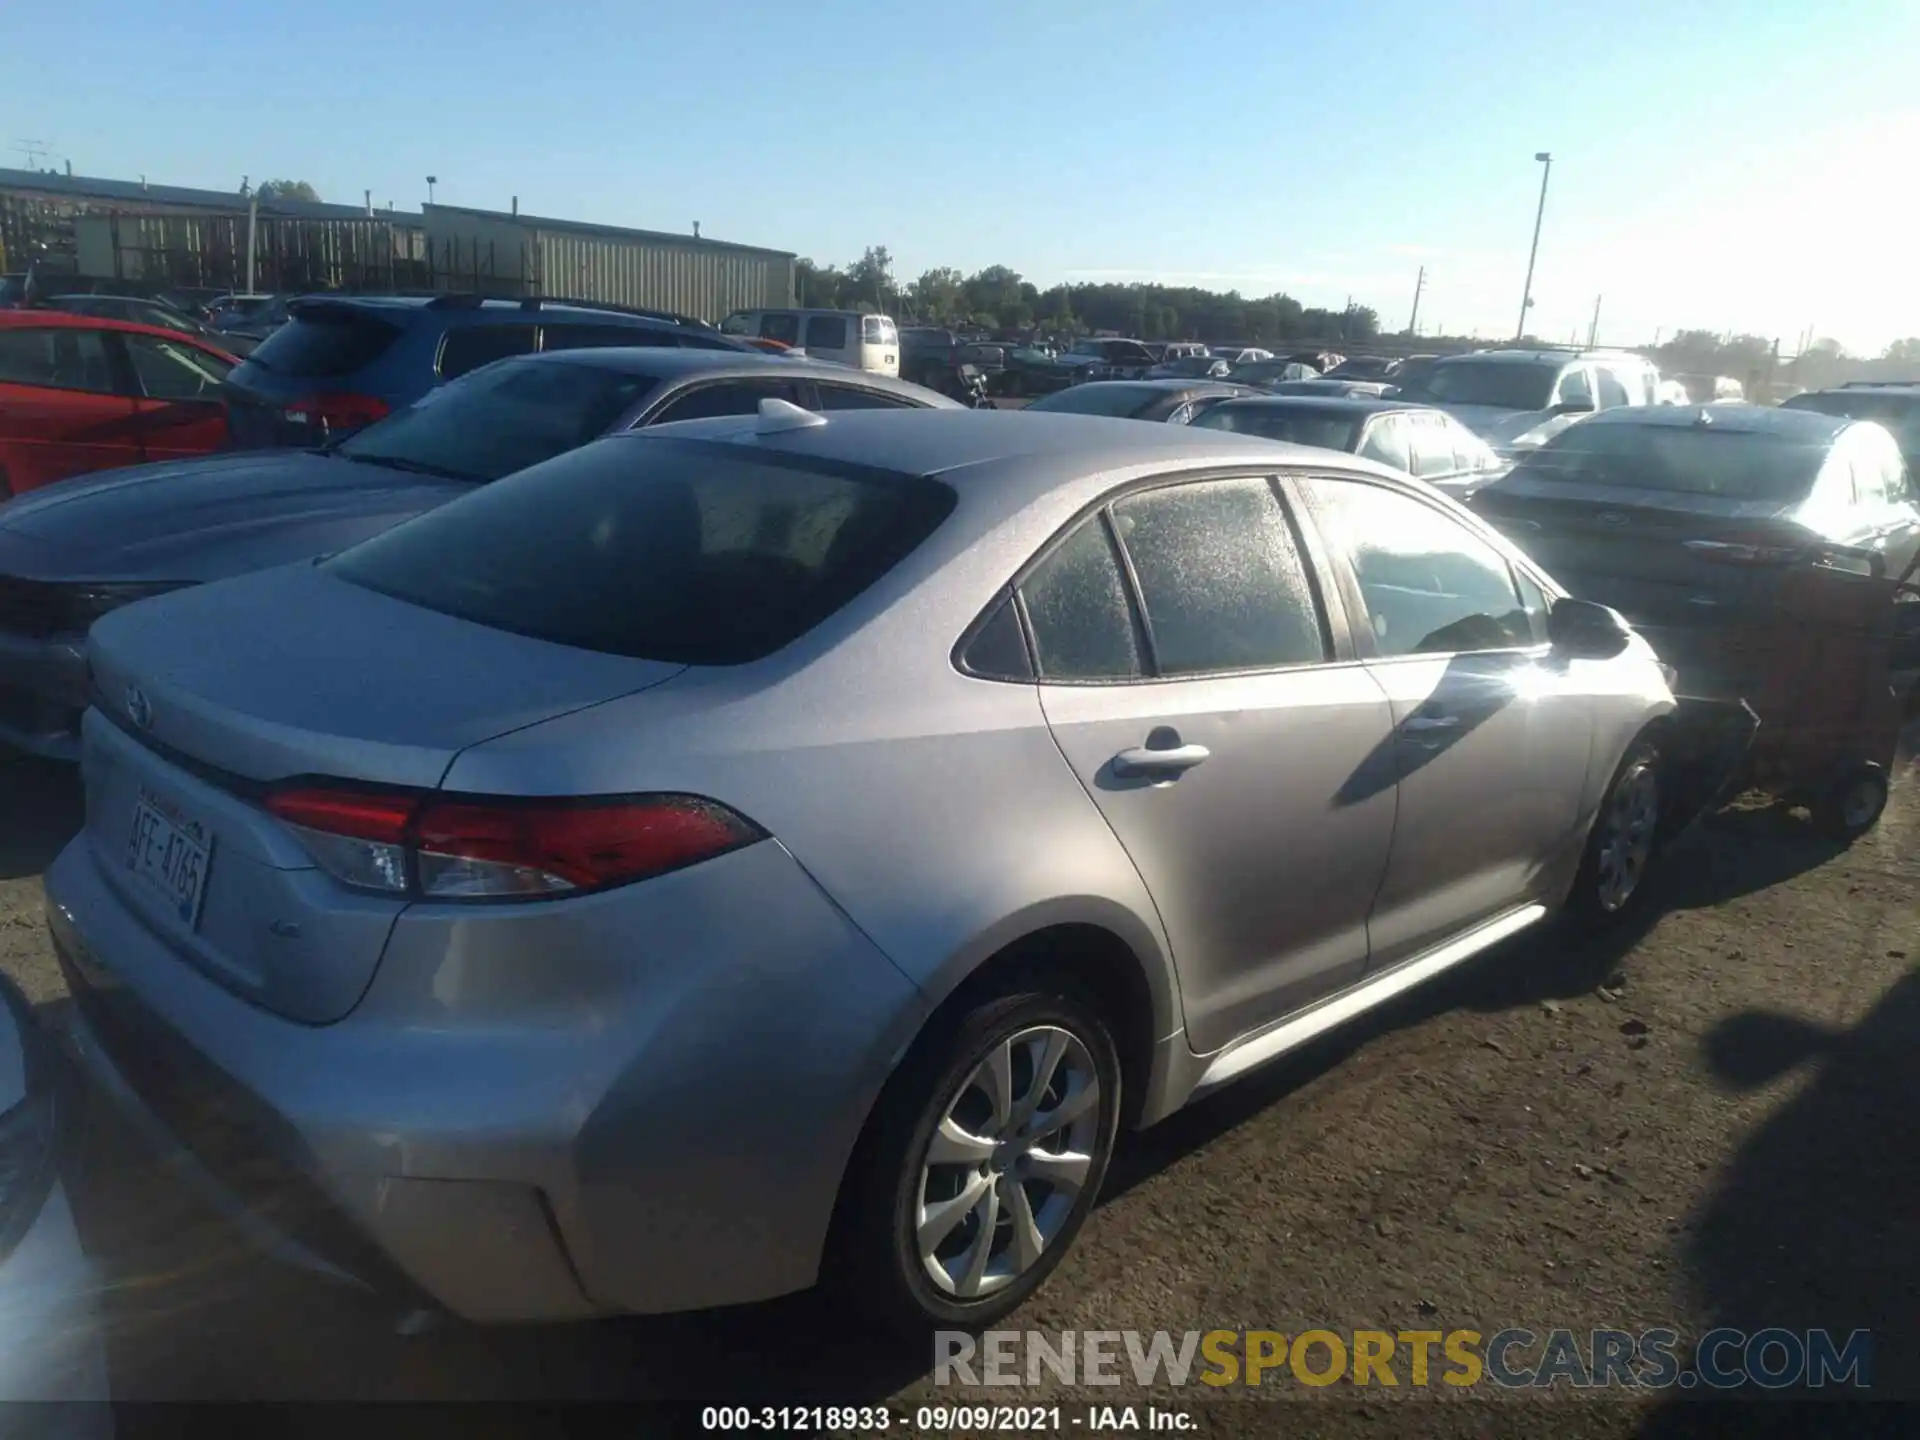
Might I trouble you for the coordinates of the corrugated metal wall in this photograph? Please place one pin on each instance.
(693, 280)
(212, 250)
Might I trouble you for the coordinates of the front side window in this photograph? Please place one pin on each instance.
(1505, 385)
(655, 549)
(1300, 424)
(1221, 579)
(171, 370)
(1077, 607)
(1574, 388)
(782, 326)
(1432, 448)
(1430, 585)
(1613, 390)
(1386, 443)
(59, 359)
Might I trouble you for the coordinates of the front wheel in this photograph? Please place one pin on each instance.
(1620, 850)
(1851, 805)
(982, 1161)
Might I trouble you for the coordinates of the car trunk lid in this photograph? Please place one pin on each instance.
(206, 700)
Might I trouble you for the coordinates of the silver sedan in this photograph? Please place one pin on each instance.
(765, 851)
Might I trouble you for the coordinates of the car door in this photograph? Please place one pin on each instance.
(180, 408)
(1491, 734)
(703, 401)
(1200, 688)
(62, 410)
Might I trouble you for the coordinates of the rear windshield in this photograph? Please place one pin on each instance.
(1524, 386)
(1297, 423)
(502, 418)
(1111, 398)
(325, 340)
(678, 551)
(1692, 460)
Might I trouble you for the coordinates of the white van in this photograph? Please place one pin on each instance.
(846, 337)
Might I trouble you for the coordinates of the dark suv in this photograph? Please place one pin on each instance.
(1895, 405)
(341, 362)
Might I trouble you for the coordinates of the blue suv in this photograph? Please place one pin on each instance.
(341, 362)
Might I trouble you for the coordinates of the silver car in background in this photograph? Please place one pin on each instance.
(766, 851)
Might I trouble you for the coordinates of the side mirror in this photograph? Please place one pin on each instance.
(1582, 630)
(1572, 407)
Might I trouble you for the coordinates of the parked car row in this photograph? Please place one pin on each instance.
(475, 786)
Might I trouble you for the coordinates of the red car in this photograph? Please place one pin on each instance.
(79, 393)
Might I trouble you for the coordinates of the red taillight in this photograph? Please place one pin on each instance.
(335, 411)
(1743, 552)
(469, 848)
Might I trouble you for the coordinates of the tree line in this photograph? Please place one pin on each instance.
(999, 298)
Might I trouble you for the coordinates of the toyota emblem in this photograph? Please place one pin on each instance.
(139, 708)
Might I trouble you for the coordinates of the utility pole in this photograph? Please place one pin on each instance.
(253, 222)
(432, 180)
(34, 150)
(1539, 216)
(1413, 320)
(1593, 330)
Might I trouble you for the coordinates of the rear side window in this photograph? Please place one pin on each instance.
(878, 330)
(1077, 606)
(782, 327)
(58, 358)
(173, 369)
(655, 549)
(326, 341)
(1432, 448)
(1221, 579)
(826, 332)
(583, 337)
(1386, 443)
(726, 397)
(846, 397)
(471, 346)
(998, 650)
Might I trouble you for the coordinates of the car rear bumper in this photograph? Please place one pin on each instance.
(671, 1140)
(43, 693)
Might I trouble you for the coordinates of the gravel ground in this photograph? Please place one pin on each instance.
(1711, 1121)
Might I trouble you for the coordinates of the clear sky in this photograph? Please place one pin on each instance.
(1743, 165)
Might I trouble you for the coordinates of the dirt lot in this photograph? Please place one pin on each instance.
(1715, 1121)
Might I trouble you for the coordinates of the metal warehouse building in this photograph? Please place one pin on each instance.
(515, 254)
(170, 234)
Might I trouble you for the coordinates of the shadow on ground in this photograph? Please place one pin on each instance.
(40, 810)
(1815, 1223)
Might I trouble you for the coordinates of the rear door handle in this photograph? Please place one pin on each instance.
(1142, 761)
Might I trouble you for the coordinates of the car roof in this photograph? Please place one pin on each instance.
(670, 362)
(1516, 355)
(1806, 425)
(67, 320)
(1347, 404)
(1027, 453)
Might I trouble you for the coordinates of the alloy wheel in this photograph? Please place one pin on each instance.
(1008, 1161)
(1626, 841)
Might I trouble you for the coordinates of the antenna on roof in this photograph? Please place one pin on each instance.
(779, 416)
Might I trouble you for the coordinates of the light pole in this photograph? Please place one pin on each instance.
(433, 180)
(1526, 295)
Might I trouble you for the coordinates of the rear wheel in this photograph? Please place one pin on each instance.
(982, 1160)
(1852, 805)
(1620, 850)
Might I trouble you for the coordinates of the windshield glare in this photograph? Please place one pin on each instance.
(502, 418)
(1696, 460)
(1523, 386)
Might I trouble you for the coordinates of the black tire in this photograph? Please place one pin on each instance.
(1596, 902)
(1852, 805)
(874, 1263)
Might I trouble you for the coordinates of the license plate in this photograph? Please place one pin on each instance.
(170, 852)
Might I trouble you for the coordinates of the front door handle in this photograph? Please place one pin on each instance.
(1418, 723)
(1144, 761)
